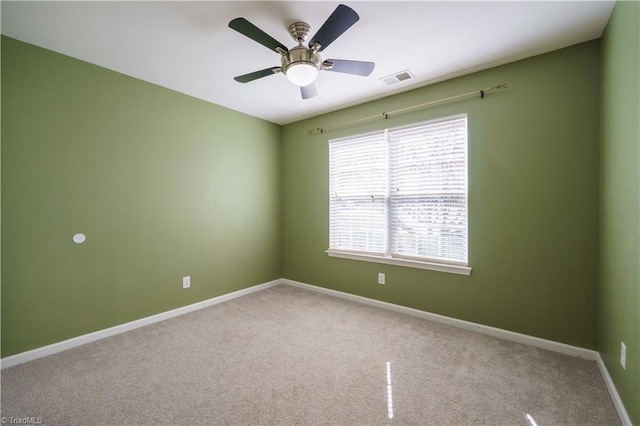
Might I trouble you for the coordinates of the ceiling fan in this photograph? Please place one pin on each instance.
(301, 64)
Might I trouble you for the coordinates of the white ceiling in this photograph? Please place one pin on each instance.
(188, 47)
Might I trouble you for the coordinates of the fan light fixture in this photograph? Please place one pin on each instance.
(302, 73)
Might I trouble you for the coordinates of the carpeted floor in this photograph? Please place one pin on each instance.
(290, 356)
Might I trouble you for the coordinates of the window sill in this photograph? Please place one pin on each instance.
(432, 266)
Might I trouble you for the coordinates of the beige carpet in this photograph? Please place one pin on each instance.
(291, 356)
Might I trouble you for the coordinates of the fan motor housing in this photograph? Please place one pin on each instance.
(301, 54)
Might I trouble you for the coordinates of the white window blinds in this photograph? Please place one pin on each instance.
(358, 187)
(402, 193)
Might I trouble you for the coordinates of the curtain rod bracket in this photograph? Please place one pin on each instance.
(482, 94)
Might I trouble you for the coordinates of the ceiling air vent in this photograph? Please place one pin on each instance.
(398, 77)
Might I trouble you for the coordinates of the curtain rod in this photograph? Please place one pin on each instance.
(386, 115)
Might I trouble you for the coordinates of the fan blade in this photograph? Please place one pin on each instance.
(257, 74)
(246, 28)
(340, 21)
(308, 91)
(351, 67)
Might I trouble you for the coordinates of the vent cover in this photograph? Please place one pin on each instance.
(398, 77)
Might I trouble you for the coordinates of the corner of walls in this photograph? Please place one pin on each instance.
(281, 217)
(619, 283)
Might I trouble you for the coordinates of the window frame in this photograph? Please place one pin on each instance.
(449, 266)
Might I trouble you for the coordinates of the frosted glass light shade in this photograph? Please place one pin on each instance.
(302, 74)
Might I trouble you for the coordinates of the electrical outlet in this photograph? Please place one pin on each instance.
(623, 355)
(186, 282)
(381, 278)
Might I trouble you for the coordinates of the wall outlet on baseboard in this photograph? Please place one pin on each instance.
(381, 278)
(186, 282)
(623, 355)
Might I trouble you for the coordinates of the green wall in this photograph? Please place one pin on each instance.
(163, 185)
(619, 296)
(533, 200)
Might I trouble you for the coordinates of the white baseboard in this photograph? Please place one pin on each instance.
(491, 331)
(484, 329)
(43, 351)
(617, 402)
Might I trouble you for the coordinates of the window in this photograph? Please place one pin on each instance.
(399, 196)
